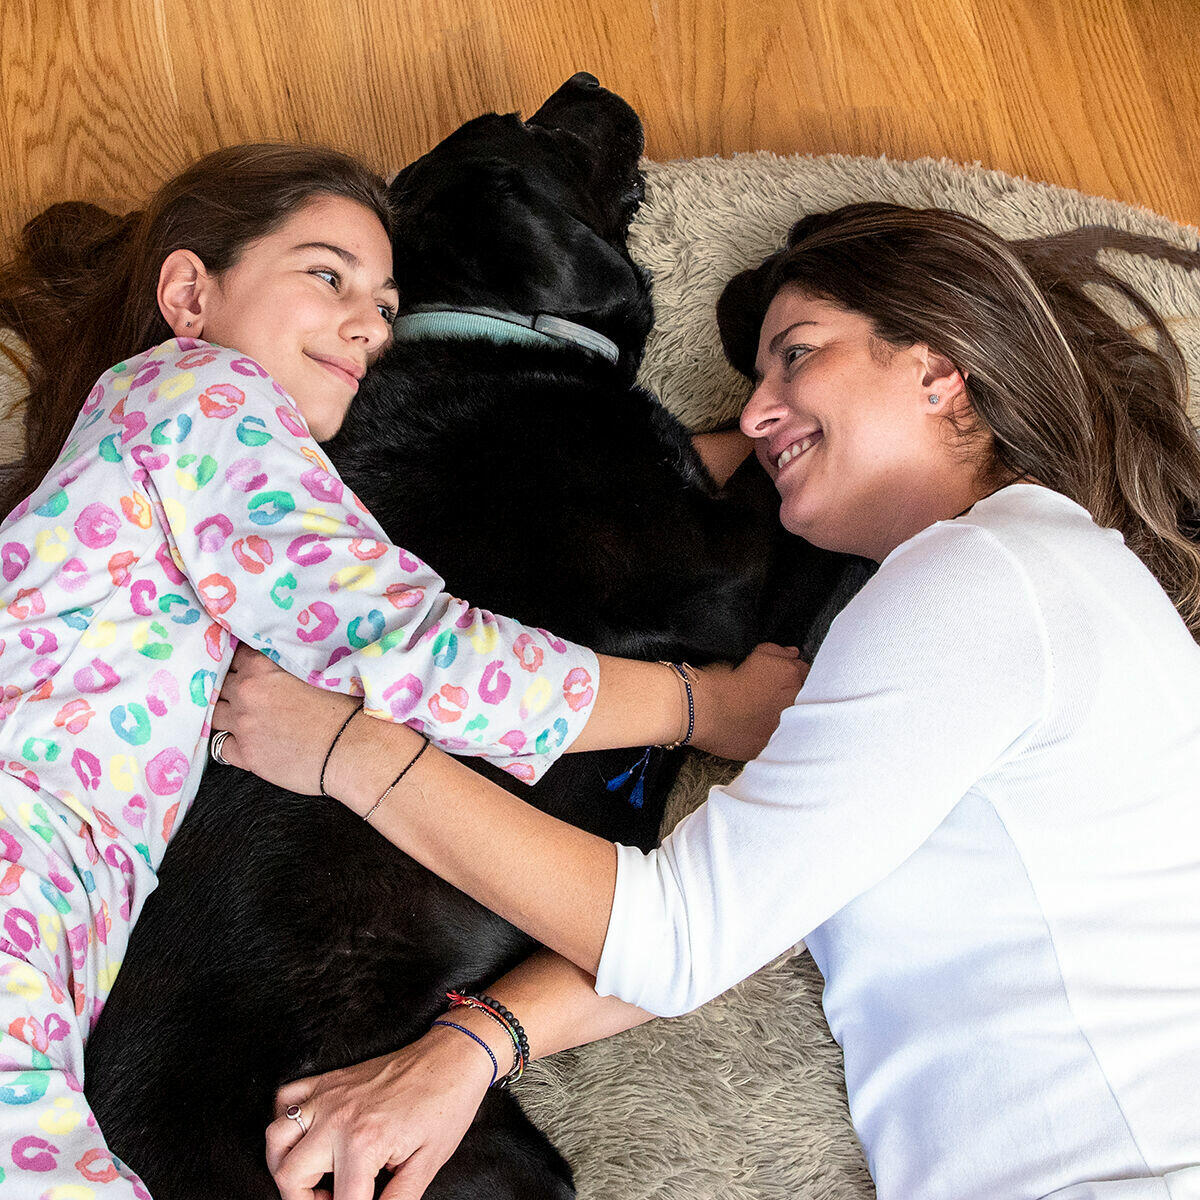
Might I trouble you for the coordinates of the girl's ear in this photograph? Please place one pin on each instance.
(183, 290)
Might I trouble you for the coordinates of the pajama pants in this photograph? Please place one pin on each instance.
(69, 892)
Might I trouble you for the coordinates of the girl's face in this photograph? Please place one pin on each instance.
(312, 302)
(844, 427)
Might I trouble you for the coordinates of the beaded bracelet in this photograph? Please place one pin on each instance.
(411, 763)
(475, 1038)
(682, 669)
(336, 738)
(494, 1009)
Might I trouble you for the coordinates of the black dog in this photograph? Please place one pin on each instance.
(286, 937)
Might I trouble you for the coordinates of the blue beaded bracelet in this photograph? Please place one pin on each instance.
(475, 1038)
(682, 669)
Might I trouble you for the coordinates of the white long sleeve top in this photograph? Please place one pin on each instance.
(983, 815)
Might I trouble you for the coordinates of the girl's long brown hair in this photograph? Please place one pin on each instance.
(1058, 390)
(81, 289)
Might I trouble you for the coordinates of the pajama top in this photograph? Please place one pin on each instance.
(983, 814)
(191, 507)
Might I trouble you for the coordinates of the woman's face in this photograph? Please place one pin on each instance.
(844, 427)
(312, 302)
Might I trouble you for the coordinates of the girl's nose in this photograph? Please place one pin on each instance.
(368, 327)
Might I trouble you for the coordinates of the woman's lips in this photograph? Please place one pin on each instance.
(797, 449)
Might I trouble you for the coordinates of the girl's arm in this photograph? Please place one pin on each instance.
(282, 555)
(410, 1109)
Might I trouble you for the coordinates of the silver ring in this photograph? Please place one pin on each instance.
(214, 748)
(293, 1114)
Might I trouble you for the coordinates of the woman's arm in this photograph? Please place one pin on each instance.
(723, 452)
(409, 1110)
(444, 814)
(909, 705)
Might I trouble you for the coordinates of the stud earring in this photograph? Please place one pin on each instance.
(188, 324)
(934, 398)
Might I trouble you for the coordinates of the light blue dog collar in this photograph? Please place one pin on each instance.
(503, 328)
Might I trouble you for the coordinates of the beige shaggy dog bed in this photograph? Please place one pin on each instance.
(743, 1100)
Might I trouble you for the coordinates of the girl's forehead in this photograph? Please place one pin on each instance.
(342, 228)
(333, 218)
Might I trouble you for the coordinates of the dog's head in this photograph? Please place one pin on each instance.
(531, 216)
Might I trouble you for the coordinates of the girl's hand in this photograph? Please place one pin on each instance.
(405, 1112)
(280, 727)
(738, 708)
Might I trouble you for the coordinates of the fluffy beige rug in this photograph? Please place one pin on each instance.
(743, 1100)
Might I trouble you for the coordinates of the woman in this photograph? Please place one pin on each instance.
(982, 810)
(189, 506)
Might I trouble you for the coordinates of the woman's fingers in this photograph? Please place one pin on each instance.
(777, 650)
(299, 1091)
(404, 1112)
(311, 1156)
(282, 1137)
(413, 1176)
(354, 1177)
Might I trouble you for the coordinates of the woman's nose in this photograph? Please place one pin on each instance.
(762, 410)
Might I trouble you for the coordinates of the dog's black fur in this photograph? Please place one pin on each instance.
(286, 937)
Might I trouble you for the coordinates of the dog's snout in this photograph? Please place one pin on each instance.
(584, 79)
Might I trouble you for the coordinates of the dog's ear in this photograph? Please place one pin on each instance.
(590, 276)
(503, 238)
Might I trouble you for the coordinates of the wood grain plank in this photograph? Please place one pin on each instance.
(101, 99)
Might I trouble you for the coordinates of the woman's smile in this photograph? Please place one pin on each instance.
(795, 449)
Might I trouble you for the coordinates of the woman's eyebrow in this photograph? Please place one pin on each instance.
(351, 260)
(777, 340)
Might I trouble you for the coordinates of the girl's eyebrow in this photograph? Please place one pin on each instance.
(351, 260)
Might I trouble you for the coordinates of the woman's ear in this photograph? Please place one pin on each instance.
(183, 290)
(942, 379)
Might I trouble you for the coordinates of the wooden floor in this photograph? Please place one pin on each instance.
(101, 99)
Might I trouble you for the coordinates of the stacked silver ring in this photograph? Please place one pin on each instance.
(214, 748)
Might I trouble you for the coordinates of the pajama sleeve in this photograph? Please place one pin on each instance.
(930, 679)
(284, 556)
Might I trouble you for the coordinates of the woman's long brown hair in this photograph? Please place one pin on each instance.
(82, 288)
(1058, 390)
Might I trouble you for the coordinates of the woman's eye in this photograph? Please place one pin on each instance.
(793, 354)
(330, 276)
(387, 313)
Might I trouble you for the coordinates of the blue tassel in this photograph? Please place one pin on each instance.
(638, 773)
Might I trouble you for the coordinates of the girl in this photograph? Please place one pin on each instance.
(982, 812)
(189, 507)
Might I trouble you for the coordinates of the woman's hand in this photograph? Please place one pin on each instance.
(280, 727)
(404, 1112)
(738, 708)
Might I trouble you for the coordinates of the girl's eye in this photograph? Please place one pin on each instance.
(330, 276)
(387, 313)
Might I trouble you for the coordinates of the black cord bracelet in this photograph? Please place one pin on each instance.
(329, 752)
